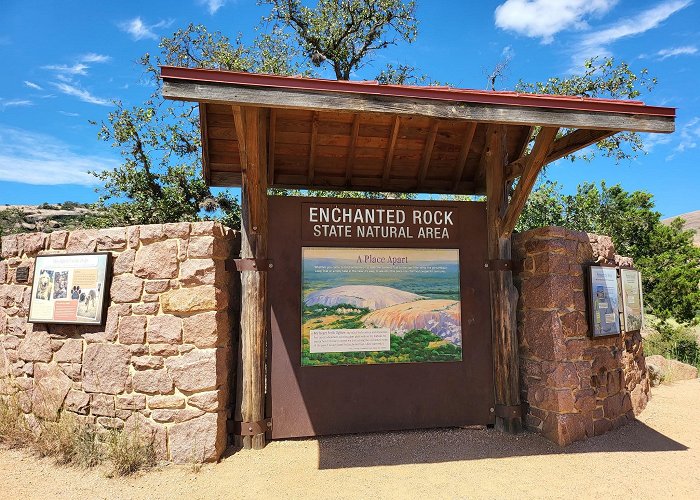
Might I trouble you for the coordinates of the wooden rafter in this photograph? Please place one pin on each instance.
(533, 164)
(271, 148)
(312, 146)
(428, 152)
(464, 153)
(239, 124)
(565, 145)
(390, 150)
(351, 151)
(573, 141)
(480, 174)
(205, 145)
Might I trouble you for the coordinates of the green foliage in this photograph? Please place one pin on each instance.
(11, 220)
(602, 79)
(665, 254)
(673, 342)
(319, 311)
(160, 177)
(345, 33)
(671, 272)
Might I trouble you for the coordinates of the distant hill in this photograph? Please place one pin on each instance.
(692, 221)
(45, 217)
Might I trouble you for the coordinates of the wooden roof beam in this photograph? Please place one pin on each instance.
(565, 145)
(464, 153)
(239, 124)
(271, 147)
(454, 110)
(533, 164)
(390, 151)
(428, 152)
(351, 151)
(312, 147)
(206, 168)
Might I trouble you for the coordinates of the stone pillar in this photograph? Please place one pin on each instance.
(574, 386)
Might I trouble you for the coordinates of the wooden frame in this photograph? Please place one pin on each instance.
(102, 268)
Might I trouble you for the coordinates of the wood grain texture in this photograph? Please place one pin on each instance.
(356, 103)
(464, 154)
(504, 296)
(533, 162)
(390, 151)
(253, 123)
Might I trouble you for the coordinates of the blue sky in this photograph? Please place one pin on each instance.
(66, 61)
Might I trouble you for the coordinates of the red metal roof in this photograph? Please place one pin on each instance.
(417, 92)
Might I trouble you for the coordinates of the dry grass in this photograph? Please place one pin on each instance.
(129, 452)
(14, 430)
(69, 442)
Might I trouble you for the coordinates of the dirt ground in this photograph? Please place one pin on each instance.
(657, 456)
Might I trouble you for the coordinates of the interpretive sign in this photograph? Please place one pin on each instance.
(69, 288)
(632, 305)
(604, 301)
(380, 305)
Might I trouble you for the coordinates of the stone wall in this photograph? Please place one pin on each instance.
(574, 386)
(160, 362)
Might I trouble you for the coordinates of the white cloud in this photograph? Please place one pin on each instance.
(32, 85)
(140, 30)
(14, 103)
(91, 57)
(545, 18)
(212, 5)
(64, 69)
(68, 113)
(595, 43)
(81, 94)
(676, 51)
(32, 158)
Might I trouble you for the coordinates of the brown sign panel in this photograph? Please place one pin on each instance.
(346, 398)
(401, 224)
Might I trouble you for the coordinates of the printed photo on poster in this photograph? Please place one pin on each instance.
(69, 288)
(604, 302)
(632, 303)
(380, 305)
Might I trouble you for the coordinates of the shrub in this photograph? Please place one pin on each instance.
(14, 431)
(673, 342)
(69, 441)
(129, 452)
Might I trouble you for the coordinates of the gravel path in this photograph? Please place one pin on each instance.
(656, 457)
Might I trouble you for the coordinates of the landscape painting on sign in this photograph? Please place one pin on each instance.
(380, 305)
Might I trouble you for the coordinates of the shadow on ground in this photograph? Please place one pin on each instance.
(448, 445)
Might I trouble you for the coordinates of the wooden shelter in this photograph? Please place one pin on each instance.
(264, 131)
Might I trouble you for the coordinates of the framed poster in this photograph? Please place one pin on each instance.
(69, 288)
(604, 301)
(632, 302)
(380, 305)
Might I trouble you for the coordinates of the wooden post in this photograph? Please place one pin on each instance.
(251, 128)
(504, 296)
